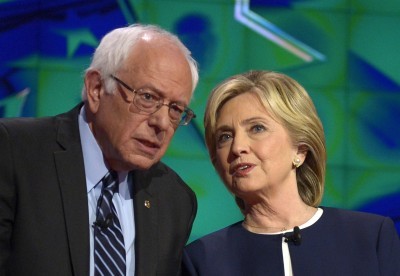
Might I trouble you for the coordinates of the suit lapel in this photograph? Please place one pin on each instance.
(71, 175)
(146, 219)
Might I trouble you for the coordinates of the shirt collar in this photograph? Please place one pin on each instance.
(95, 167)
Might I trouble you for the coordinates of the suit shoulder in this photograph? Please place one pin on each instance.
(25, 124)
(352, 215)
(36, 123)
(32, 125)
(169, 173)
(357, 222)
(162, 179)
(217, 239)
(27, 134)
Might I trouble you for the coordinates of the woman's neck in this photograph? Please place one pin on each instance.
(267, 218)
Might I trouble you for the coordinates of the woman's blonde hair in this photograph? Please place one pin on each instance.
(289, 104)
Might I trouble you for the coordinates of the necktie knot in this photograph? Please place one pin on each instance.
(110, 181)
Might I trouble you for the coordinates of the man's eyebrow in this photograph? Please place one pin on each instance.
(160, 94)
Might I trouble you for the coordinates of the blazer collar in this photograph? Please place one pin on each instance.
(71, 175)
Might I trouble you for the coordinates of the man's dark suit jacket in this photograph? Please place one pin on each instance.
(44, 223)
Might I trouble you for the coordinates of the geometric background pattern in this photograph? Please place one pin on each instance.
(344, 52)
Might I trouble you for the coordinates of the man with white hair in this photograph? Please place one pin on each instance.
(84, 192)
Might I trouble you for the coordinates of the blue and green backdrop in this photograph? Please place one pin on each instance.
(345, 53)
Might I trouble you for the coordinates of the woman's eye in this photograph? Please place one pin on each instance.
(223, 138)
(257, 128)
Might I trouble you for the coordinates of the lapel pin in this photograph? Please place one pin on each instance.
(147, 204)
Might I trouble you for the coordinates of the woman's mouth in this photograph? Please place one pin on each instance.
(241, 169)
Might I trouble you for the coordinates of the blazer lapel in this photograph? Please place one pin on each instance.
(71, 175)
(146, 218)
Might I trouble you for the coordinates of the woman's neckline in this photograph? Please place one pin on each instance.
(308, 223)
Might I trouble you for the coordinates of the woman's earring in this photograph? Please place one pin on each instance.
(296, 162)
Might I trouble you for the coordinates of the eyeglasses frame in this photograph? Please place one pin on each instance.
(189, 113)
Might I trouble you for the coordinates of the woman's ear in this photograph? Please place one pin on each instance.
(302, 148)
(300, 156)
(94, 89)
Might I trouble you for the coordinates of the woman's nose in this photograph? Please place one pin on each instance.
(240, 145)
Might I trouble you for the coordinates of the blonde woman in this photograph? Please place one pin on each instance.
(267, 143)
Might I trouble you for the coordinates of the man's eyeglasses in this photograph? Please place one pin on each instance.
(149, 102)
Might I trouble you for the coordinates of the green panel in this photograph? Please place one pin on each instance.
(376, 39)
(376, 6)
(373, 130)
(58, 91)
(330, 104)
(335, 187)
(365, 185)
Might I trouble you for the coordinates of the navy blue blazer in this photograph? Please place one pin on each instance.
(340, 243)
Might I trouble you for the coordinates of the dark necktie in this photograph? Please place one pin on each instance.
(109, 249)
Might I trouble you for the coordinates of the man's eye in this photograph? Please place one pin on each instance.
(146, 96)
(177, 109)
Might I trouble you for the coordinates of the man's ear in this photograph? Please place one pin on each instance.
(94, 89)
